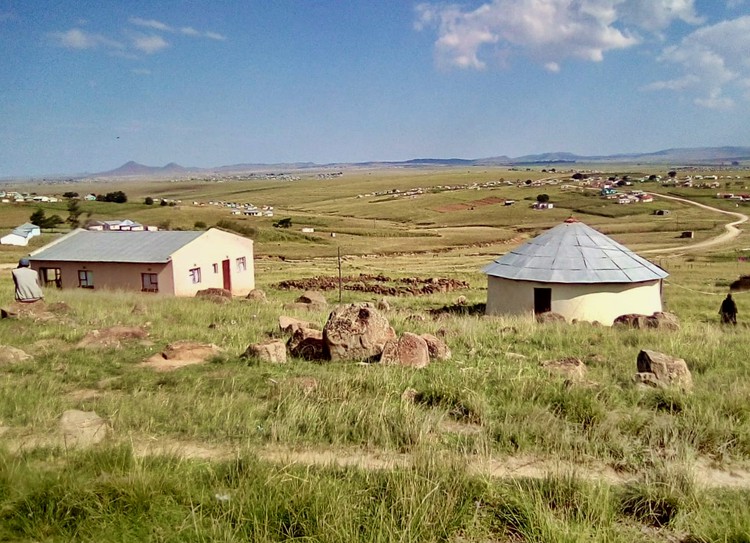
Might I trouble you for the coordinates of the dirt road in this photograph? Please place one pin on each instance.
(730, 229)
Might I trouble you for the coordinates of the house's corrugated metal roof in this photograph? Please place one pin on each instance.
(573, 252)
(91, 246)
(25, 229)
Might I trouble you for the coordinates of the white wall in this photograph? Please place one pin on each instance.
(602, 302)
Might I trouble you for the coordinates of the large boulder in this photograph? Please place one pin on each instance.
(659, 320)
(436, 347)
(257, 295)
(307, 343)
(273, 351)
(356, 332)
(409, 350)
(662, 370)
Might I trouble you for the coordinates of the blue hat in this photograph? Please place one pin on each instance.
(23, 263)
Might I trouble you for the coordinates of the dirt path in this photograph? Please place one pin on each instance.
(705, 474)
(730, 229)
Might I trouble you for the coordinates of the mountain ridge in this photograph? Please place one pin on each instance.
(679, 156)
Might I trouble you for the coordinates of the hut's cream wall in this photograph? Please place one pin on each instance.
(602, 302)
(212, 248)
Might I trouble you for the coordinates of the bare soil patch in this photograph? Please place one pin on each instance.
(377, 284)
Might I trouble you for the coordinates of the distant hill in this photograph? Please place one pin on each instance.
(668, 157)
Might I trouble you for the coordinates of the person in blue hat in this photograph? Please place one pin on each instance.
(28, 289)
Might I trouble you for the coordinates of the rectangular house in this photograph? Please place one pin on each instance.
(176, 263)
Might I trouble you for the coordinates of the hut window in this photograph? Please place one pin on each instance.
(542, 300)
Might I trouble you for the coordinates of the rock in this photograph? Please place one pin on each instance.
(409, 350)
(409, 395)
(11, 355)
(571, 368)
(256, 294)
(182, 353)
(288, 325)
(307, 343)
(416, 318)
(436, 347)
(214, 292)
(273, 351)
(82, 428)
(383, 305)
(356, 332)
(667, 370)
(461, 300)
(659, 320)
(112, 337)
(549, 317)
(515, 356)
(312, 297)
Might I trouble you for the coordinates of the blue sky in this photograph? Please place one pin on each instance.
(88, 85)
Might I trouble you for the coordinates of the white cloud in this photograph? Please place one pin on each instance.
(150, 23)
(214, 36)
(713, 61)
(548, 31)
(75, 38)
(149, 44)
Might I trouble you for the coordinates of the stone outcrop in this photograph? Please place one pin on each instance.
(312, 297)
(356, 332)
(408, 350)
(662, 370)
(257, 295)
(659, 320)
(272, 351)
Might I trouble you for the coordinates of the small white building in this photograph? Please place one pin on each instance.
(21, 235)
(574, 271)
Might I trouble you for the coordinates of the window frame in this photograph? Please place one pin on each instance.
(195, 275)
(85, 279)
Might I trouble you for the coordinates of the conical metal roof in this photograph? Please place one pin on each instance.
(573, 252)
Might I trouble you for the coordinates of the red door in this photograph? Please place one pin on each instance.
(226, 274)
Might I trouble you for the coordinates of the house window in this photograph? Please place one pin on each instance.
(241, 264)
(85, 279)
(51, 277)
(195, 275)
(149, 282)
(216, 268)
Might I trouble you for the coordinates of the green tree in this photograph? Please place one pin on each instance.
(148, 201)
(542, 198)
(74, 211)
(283, 223)
(38, 217)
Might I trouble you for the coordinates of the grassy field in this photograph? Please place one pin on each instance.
(492, 449)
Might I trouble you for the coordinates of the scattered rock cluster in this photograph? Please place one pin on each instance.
(353, 332)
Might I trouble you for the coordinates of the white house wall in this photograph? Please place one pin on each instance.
(14, 239)
(602, 302)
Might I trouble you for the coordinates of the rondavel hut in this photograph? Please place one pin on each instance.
(574, 271)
